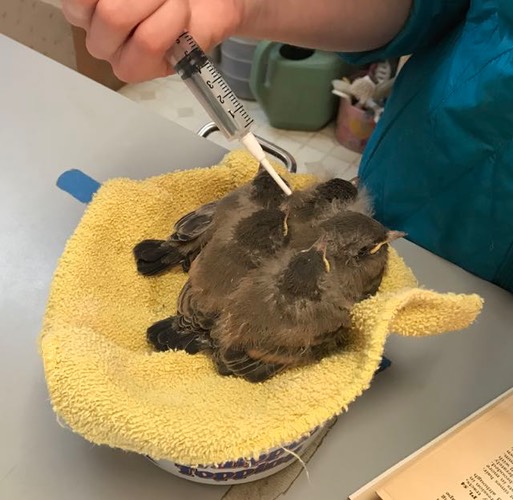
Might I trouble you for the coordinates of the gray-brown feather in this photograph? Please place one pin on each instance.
(292, 311)
(320, 202)
(194, 230)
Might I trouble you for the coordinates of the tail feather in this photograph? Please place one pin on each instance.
(163, 336)
(155, 256)
(158, 334)
(151, 268)
(150, 250)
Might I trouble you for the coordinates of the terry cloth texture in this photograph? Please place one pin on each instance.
(107, 384)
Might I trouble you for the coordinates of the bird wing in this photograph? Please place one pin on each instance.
(238, 362)
(190, 317)
(195, 223)
(336, 341)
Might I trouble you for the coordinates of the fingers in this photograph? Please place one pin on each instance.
(134, 35)
(79, 12)
(142, 57)
(113, 22)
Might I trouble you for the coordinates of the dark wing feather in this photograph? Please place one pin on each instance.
(195, 223)
(190, 316)
(164, 336)
(237, 362)
(155, 256)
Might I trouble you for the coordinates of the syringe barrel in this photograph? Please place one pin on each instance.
(232, 127)
(209, 88)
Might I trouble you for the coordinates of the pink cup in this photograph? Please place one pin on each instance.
(354, 126)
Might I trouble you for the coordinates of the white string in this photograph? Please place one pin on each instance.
(301, 461)
(61, 422)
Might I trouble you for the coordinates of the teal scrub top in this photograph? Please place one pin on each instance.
(440, 162)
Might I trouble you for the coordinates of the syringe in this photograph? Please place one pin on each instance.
(218, 99)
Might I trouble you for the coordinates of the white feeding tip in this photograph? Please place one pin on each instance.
(253, 146)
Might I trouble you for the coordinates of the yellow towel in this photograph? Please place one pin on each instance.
(106, 383)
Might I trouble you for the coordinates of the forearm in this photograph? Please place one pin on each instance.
(337, 25)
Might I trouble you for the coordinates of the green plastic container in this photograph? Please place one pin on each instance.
(293, 85)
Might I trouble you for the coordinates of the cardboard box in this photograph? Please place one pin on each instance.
(40, 25)
(471, 461)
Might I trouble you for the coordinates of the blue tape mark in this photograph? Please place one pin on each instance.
(79, 185)
(385, 363)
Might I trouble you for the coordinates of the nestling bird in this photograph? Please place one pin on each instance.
(295, 309)
(312, 201)
(195, 229)
(237, 247)
(359, 248)
(309, 207)
(260, 302)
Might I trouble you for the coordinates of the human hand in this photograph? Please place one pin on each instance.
(134, 35)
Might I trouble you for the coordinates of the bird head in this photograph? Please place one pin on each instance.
(265, 230)
(309, 203)
(375, 247)
(372, 242)
(265, 191)
(336, 189)
(303, 276)
(353, 235)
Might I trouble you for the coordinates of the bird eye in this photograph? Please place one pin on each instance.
(364, 251)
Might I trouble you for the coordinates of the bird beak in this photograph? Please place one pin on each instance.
(286, 210)
(391, 236)
(321, 245)
(395, 235)
(376, 249)
(355, 181)
(327, 264)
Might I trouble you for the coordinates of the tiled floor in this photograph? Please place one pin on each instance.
(315, 152)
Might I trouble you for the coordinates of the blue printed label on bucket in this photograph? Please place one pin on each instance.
(242, 469)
